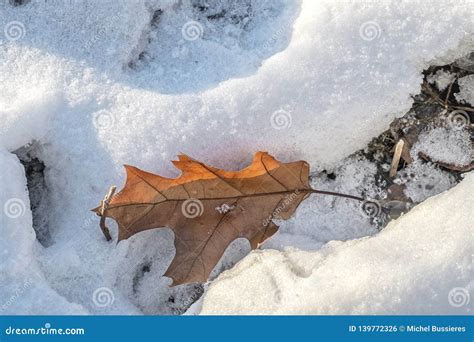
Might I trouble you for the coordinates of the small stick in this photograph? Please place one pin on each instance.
(447, 95)
(464, 108)
(434, 95)
(357, 198)
(396, 158)
(331, 193)
(452, 167)
(104, 205)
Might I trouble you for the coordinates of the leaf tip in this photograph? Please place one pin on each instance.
(174, 281)
(96, 210)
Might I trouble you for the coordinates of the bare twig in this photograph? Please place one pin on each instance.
(452, 167)
(434, 95)
(468, 109)
(396, 158)
(448, 94)
(104, 205)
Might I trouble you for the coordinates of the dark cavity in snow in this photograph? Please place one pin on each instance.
(18, 2)
(37, 189)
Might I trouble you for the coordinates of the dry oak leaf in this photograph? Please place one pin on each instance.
(208, 208)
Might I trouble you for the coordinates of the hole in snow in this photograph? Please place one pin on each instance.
(37, 189)
(18, 2)
(140, 273)
(215, 41)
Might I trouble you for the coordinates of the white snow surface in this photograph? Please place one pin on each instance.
(447, 145)
(466, 90)
(24, 288)
(98, 84)
(410, 267)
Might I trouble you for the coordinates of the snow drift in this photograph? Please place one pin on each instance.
(413, 266)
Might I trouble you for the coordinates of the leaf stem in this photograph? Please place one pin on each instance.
(104, 206)
(331, 193)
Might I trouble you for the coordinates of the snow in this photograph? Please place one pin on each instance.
(424, 180)
(90, 86)
(448, 145)
(320, 219)
(411, 267)
(442, 79)
(466, 87)
(24, 288)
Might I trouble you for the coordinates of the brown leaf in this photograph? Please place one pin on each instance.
(207, 208)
